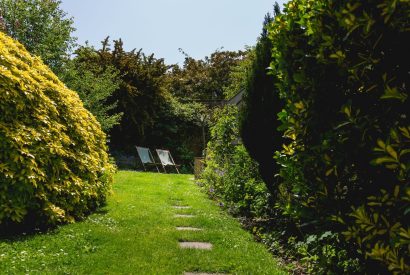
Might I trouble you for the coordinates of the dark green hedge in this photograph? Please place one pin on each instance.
(342, 70)
(258, 119)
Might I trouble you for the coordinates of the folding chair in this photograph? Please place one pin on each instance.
(146, 157)
(166, 159)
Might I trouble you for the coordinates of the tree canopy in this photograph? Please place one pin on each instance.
(41, 26)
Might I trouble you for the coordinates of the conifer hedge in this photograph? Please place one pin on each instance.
(53, 162)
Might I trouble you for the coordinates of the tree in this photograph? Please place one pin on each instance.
(141, 94)
(41, 26)
(198, 86)
(205, 79)
(95, 86)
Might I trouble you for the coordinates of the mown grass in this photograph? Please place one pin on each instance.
(135, 234)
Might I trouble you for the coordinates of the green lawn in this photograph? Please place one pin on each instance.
(135, 234)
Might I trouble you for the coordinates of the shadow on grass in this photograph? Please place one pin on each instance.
(30, 227)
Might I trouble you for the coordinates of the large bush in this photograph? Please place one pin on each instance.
(53, 162)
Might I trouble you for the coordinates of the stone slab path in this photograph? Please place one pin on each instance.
(187, 228)
(181, 207)
(196, 245)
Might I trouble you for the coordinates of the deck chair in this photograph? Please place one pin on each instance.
(146, 157)
(166, 159)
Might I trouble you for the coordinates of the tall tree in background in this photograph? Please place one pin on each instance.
(205, 79)
(95, 85)
(140, 95)
(41, 26)
(199, 85)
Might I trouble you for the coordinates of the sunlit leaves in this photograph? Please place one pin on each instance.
(54, 165)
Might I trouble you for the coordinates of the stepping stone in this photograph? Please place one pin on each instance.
(196, 245)
(181, 228)
(183, 216)
(181, 207)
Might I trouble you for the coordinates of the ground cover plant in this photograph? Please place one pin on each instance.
(135, 234)
(54, 166)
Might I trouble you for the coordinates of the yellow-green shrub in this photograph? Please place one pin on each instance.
(53, 162)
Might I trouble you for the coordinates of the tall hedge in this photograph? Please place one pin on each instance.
(53, 162)
(259, 123)
(343, 70)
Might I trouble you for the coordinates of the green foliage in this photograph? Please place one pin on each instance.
(141, 95)
(379, 226)
(230, 174)
(53, 162)
(206, 79)
(41, 26)
(325, 254)
(342, 74)
(94, 85)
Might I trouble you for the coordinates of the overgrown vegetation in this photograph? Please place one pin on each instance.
(53, 162)
(230, 174)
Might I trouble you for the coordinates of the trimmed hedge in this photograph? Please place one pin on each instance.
(53, 162)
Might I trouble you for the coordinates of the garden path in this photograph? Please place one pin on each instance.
(138, 233)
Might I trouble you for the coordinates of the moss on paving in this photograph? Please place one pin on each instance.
(136, 234)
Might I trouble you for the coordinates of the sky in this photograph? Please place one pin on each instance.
(198, 27)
